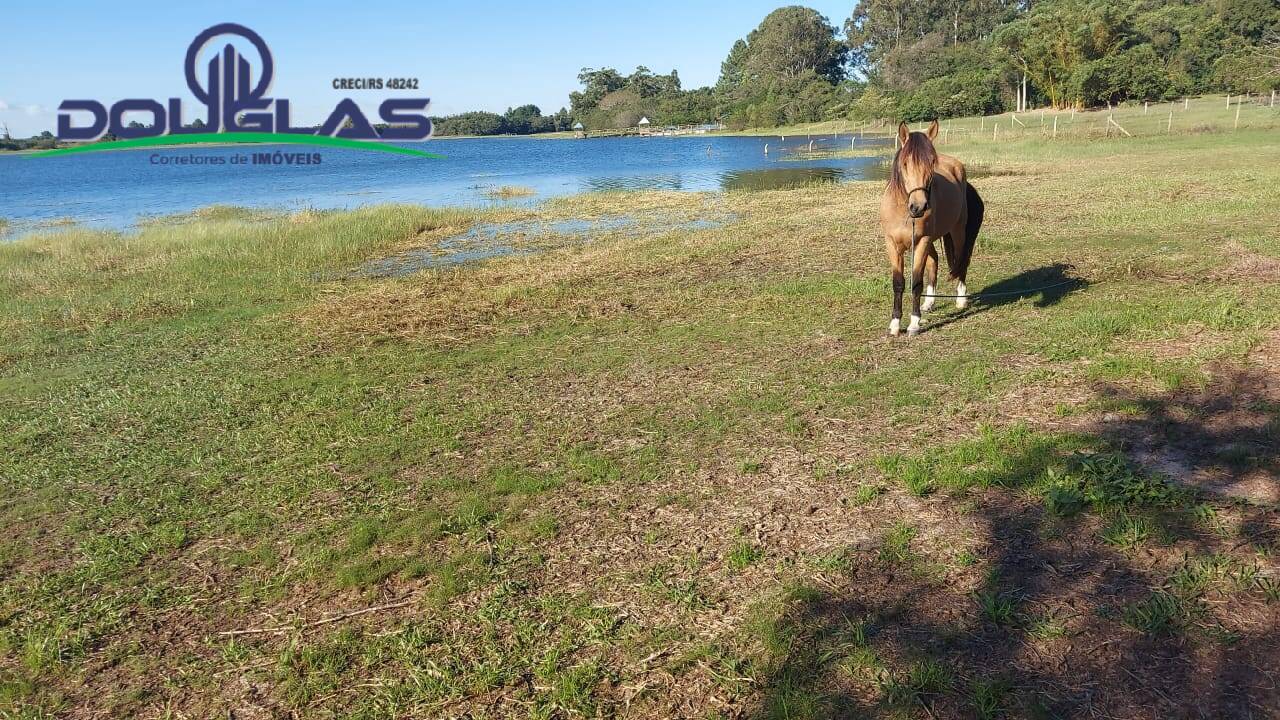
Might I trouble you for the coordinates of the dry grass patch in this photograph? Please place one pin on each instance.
(509, 192)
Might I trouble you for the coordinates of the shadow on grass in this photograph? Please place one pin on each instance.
(1048, 283)
(1222, 439)
(1092, 590)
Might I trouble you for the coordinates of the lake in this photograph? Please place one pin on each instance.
(117, 189)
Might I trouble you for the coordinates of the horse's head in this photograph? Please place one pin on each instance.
(913, 167)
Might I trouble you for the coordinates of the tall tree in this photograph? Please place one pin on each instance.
(733, 68)
(595, 85)
(878, 27)
(791, 42)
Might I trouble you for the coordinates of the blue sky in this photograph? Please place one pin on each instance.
(467, 56)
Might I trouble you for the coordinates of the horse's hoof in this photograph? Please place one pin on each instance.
(895, 326)
(927, 305)
(962, 301)
(914, 328)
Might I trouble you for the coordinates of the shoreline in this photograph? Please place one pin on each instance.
(559, 135)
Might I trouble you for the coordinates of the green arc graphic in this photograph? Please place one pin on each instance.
(238, 138)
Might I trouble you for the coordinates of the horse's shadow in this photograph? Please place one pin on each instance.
(1051, 283)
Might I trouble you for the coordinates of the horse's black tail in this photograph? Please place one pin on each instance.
(964, 254)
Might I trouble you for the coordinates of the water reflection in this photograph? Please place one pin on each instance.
(770, 178)
(645, 182)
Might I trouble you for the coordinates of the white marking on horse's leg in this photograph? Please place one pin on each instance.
(914, 327)
(927, 305)
(963, 300)
(895, 326)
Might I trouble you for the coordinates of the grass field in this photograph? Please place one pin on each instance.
(678, 473)
(1178, 117)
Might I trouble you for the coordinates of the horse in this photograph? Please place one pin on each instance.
(928, 197)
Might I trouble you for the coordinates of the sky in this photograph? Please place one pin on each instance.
(466, 56)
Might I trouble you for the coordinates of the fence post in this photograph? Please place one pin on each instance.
(1055, 126)
(1237, 125)
(1228, 101)
(1170, 130)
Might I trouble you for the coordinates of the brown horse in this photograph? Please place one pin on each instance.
(928, 197)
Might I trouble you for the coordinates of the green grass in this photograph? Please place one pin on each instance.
(916, 684)
(997, 608)
(990, 698)
(1161, 613)
(214, 424)
(895, 545)
(742, 555)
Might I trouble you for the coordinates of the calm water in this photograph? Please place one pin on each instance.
(116, 189)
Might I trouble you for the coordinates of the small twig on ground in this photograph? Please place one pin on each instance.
(325, 621)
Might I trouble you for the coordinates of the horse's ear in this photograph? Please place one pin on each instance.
(903, 133)
(933, 130)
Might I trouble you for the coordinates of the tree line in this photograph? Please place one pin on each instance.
(920, 59)
(523, 120)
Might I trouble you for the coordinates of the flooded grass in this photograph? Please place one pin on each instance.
(214, 214)
(491, 240)
(507, 192)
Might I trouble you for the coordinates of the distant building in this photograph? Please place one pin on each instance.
(579, 130)
(643, 125)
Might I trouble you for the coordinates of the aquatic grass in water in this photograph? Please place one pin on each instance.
(506, 192)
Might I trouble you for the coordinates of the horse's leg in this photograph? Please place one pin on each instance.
(894, 251)
(930, 278)
(921, 254)
(958, 239)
